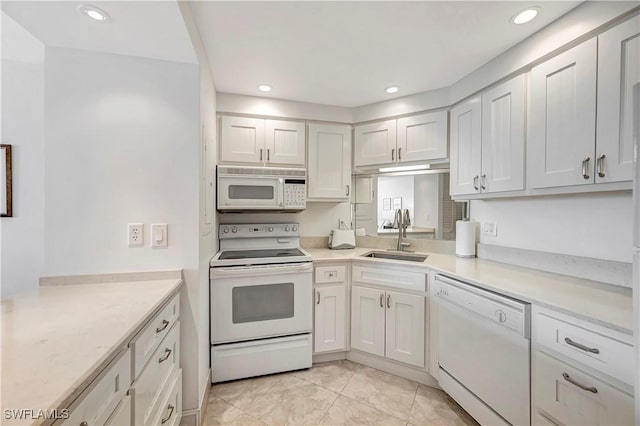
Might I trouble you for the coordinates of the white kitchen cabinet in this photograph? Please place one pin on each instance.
(375, 143)
(618, 72)
(330, 319)
(503, 135)
(405, 331)
(329, 162)
(262, 142)
(562, 119)
(368, 320)
(422, 137)
(466, 148)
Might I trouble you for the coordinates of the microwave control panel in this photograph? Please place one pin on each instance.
(295, 194)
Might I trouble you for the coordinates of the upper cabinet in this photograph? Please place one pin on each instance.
(410, 139)
(618, 72)
(262, 142)
(562, 119)
(329, 163)
(466, 149)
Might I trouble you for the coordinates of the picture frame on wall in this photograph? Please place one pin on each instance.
(386, 204)
(6, 209)
(397, 203)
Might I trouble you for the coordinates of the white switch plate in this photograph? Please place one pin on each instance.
(490, 228)
(159, 235)
(135, 234)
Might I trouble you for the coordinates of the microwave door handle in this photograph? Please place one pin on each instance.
(280, 193)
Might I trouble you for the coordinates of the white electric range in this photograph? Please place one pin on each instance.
(261, 302)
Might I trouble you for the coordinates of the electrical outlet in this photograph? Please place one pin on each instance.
(490, 228)
(135, 234)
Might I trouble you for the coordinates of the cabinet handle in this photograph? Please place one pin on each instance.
(347, 190)
(268, 154)
(581, 386)
(393, 152)
(389, 301)
(600, 165)
(475, 183)
(483, 182)
(399, 154)
(317, 297)
(260, 154)
(585, 165)
(382, 300)
(167, 353)
(580, 346)
(166, 419)
(165, 323)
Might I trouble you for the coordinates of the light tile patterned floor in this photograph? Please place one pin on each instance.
(332, 393)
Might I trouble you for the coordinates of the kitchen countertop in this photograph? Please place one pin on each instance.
(602, 304)
(57, 339)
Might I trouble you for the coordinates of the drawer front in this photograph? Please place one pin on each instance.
(573, 397)
(330, 274)
(122, 415)
(169, 410)
(147, 341)
(99, 401)
(607, 355)
(149, 387)
(416, 281)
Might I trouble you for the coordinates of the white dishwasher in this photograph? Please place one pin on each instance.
(484, 352)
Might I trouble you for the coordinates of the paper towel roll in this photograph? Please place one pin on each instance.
(465, 238)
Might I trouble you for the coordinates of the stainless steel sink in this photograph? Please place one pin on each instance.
(409, 257)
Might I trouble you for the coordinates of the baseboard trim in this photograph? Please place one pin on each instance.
(391, 367)
(205, 398)
(333, 356)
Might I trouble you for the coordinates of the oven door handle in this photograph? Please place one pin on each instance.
(263, 269)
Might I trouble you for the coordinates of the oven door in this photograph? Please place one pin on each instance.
(250, 193)
(256, 302)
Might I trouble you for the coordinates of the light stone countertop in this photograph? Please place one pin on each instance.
(57, 339)
(602, 304)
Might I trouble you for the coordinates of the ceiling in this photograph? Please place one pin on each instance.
(346, 53)
(149, 29)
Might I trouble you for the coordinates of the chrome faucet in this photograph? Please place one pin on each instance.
(402, 228)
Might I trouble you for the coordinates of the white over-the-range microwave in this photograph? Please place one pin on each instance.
(261, 189)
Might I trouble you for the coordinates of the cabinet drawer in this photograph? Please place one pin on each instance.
(416, 281)
(571, 337)
(99, 401)
(330, 274)
(573, 397)
(122, 415)
(149, 387)
(146, 342)
(169, 410)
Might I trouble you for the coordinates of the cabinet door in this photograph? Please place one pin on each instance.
(285, 143)
(618, 72)
(330, 333)
(422, 137)
(242, 140)
(375, 143)
(503, 118)
(562, 121)
(329, 164)
(405, 329)
(367, 320)
(466, 155)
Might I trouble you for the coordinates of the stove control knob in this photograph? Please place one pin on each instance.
(225, 230)
(234, 229)
(286, 228)
(271, 229)
(295, 228)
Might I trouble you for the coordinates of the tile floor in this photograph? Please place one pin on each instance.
(332, 393)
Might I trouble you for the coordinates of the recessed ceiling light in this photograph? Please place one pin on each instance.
(392, 89)
(525, 16)
(264, 88)
(93, 13)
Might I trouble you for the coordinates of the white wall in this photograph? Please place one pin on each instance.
(589, 225)
(392, 187)
(426, 201)
(22, 236)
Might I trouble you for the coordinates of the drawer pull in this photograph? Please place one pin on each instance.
(581, 347)
(166, 419)
(165, 323)
(167, 353)
(581, 386)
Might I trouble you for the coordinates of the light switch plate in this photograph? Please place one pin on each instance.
(159, 235)
(135, 234)
(490, 229)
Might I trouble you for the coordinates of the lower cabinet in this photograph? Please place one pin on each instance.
(330, 292)
(388, 323)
